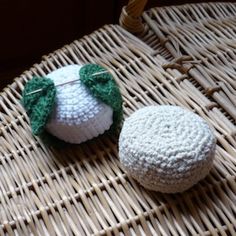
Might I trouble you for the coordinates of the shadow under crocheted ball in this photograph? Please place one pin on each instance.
(166, 148)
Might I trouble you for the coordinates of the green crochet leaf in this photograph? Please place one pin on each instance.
(38, 98)
(103, 87)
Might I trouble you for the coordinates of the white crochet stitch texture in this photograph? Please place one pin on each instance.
(77, 115)
(166, 148)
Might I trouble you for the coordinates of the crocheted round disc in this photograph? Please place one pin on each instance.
(166, 148)
(77, 115)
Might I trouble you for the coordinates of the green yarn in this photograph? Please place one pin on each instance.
(39, 95)
(39, 104)
(103, 87)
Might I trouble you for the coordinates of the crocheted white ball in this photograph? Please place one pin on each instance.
(77, 116)
(166, 148)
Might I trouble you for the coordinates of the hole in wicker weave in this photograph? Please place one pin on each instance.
(230, 10)
(227, 116)
(189, 16)
(210, 12)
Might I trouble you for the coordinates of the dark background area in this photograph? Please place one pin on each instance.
(30, 29)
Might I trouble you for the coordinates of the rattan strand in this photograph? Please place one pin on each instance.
(82, 190)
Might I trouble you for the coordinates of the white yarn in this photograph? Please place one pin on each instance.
(78, 116)
(166, 148)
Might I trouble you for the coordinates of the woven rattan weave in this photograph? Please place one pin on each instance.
(183, 55)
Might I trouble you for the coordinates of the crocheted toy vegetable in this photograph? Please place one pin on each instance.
(166, 148)
(74, 103)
